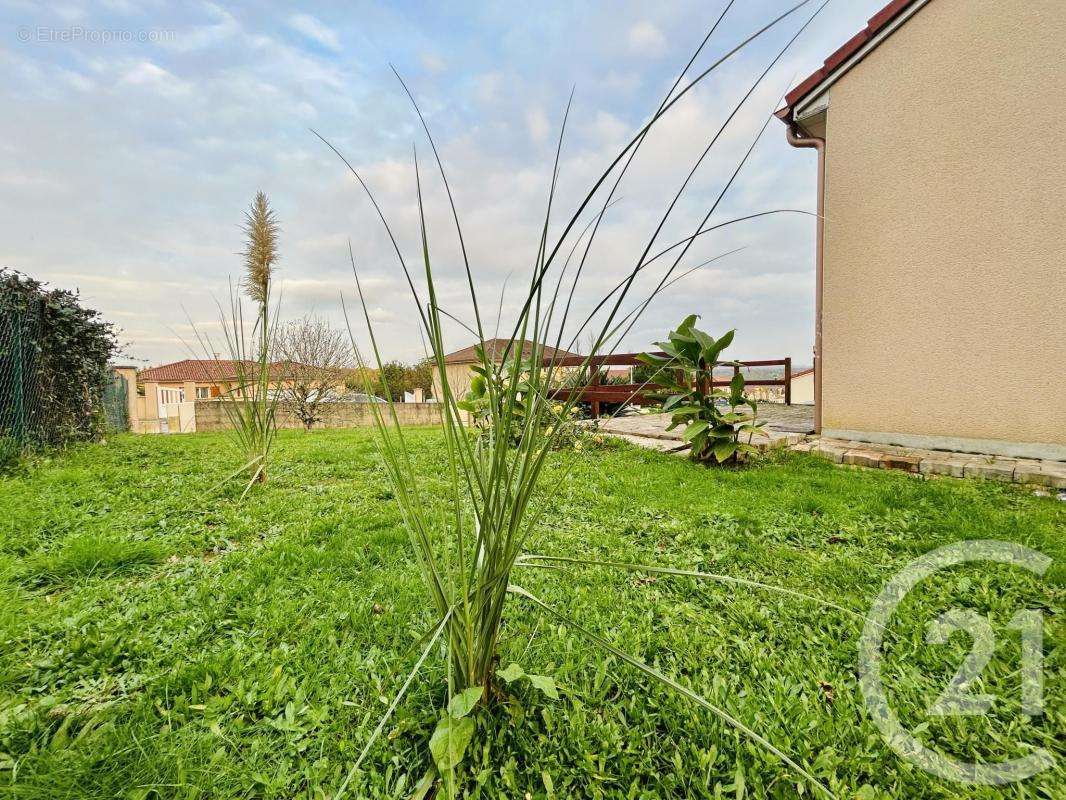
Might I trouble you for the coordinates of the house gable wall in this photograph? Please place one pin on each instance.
(944, 292)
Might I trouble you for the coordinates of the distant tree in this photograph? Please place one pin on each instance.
(392, 379)
(313, 361)
(357, 380)
(420, 376)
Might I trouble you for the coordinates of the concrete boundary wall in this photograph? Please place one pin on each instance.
(211, 416)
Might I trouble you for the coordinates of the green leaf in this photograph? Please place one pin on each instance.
(449, 742)
(512, 673)
(705, 341)
(711, 354)
(670, 350)
(652, 360)
(688, 410)
(723, 450)
(687, 323)
(542, 682)
(695, 429)
(548, 785)
(734, 417)
(545, 684)
(424, 785)
(477, 385)
(672, 401)
(464, 702)
(724, 432)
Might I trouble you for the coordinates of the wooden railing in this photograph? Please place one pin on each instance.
(649, 393)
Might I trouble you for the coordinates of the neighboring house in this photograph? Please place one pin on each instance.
(192, 379)
(457, 365)
(941, 282)
(803, 387)
(166, 387)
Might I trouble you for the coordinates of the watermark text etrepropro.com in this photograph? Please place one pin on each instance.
(73, 34)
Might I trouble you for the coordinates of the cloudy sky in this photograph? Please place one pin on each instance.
(136, 132)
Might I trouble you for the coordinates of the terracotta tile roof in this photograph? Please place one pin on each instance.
(876, 23)
(201, 370)
(497, 346)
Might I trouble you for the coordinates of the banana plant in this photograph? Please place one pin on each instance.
(719, 424)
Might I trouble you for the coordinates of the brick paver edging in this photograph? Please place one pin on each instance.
(1051, 474)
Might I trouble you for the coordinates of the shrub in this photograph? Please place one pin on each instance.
(53, 364)
(686, 373)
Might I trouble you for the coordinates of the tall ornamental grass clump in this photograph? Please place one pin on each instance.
(249, 401)
(469, 544)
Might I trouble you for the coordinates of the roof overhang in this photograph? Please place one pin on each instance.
(811, 96)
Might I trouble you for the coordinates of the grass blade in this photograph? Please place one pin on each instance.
(532, 560)
(392, 706)
(721, 713)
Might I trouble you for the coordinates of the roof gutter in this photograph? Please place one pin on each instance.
(797, 138)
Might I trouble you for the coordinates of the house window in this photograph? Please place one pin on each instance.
(203, 392)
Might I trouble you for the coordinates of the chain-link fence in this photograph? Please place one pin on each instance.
(55, 386)
(115, 404)
(20, 386)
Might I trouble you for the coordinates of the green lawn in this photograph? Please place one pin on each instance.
(162, 642)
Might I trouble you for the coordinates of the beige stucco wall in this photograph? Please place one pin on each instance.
(211, 415)
(803, 389)
(459, 377)
(945, 238)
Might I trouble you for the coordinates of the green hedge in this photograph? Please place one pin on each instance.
(54, 354)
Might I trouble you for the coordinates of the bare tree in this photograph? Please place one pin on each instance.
(312, 362)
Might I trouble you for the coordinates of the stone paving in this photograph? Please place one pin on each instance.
(785, 426)
(1051, 474)
(789, 426)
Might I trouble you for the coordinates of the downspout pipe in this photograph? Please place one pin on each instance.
(797, 138)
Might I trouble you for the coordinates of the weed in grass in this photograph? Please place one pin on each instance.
(92, 556)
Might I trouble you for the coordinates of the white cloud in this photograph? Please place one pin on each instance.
(537, 124)
(314, 28)
(182, 133)
(488, 87)
(152, 76)
(224, 27)
(645, 38)
(433, 63)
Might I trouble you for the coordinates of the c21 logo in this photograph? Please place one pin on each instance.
(956, 699)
